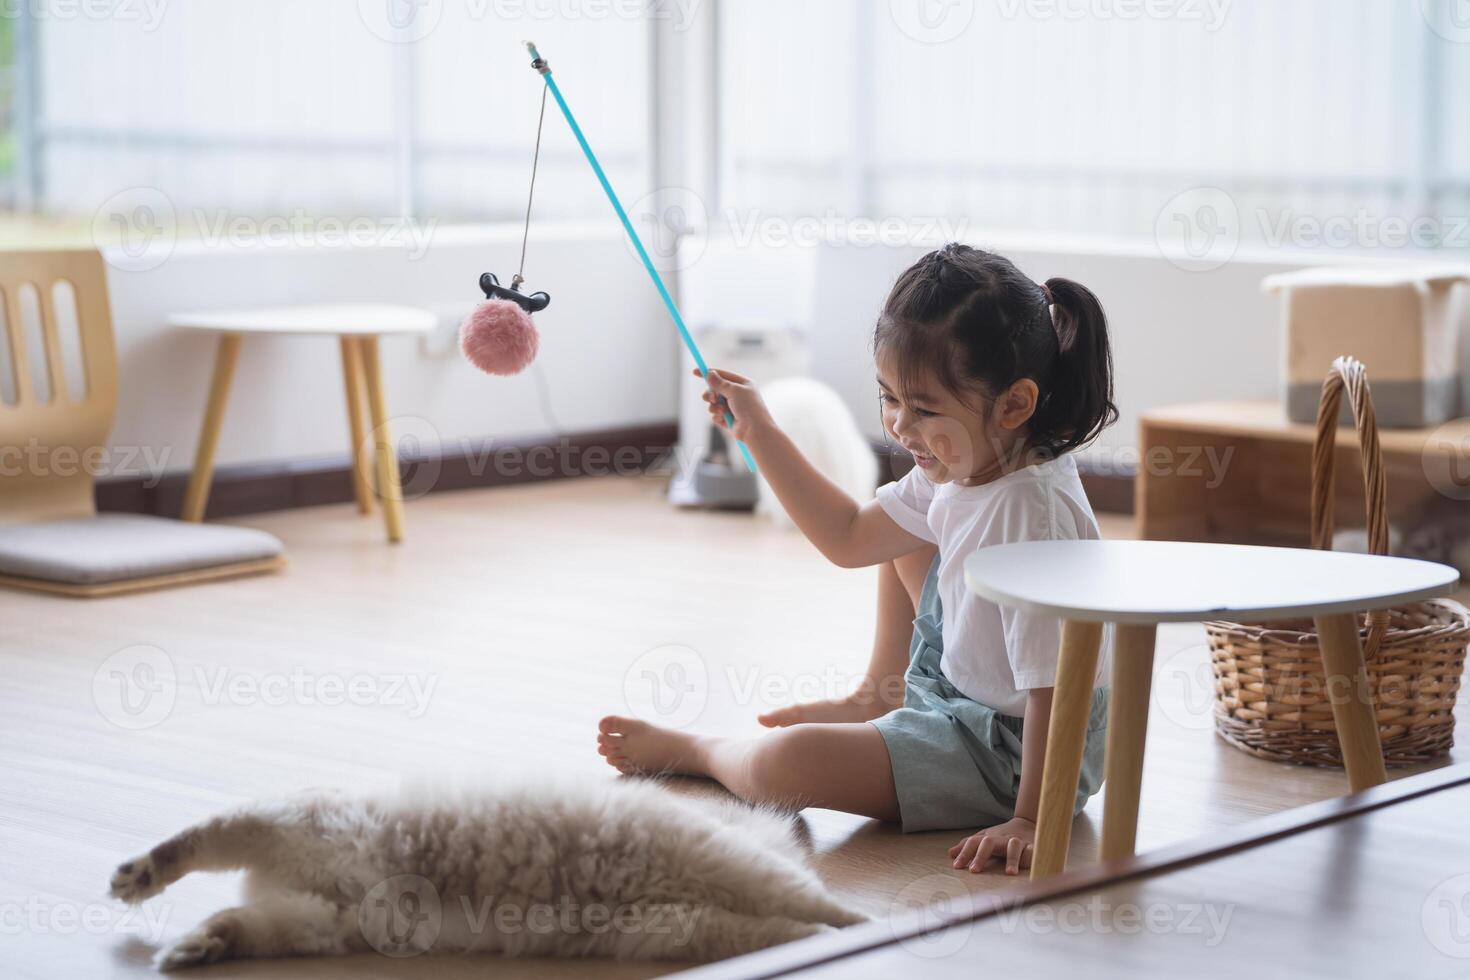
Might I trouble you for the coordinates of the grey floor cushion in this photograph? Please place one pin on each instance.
(116, 547)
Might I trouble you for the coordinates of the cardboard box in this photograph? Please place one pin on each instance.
(1407, 324)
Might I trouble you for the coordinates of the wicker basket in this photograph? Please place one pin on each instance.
(1271, 698)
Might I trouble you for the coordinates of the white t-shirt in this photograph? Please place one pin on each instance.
(993, 653)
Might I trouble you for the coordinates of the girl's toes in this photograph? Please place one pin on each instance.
(781, 717)
(611, 749)
(617, 725)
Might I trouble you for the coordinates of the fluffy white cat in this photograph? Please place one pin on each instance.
(621, 869)
(819, 422)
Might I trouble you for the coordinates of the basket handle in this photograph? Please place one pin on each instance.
(1348, 374)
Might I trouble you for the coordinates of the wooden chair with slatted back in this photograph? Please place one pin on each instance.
(47, 418)
(49, 431)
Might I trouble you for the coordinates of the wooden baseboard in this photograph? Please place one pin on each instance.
(256, 488)
(260, 487)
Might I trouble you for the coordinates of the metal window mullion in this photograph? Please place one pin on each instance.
(1427, 182)
(405, 133)
(864, 197)
(30, 184)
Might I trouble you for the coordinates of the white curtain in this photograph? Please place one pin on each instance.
(1088, 115)
(269, 106)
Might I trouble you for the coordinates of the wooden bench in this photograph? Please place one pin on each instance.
(1239, 472)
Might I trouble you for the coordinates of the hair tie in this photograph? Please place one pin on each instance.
(1046, 292)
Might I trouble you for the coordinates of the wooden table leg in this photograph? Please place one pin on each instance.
(1352, 708)
(196, 495)
(352, 376)
(1070, 706)
(1133, 669)
(389, 488)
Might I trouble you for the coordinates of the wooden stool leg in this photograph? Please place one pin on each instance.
(1133, 668)
(196, 495)
(389, 488)
(362, 486)
(1352, 709)
(1070, 706)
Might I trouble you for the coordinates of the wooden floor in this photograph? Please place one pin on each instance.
(1373, 890)
(522, 615)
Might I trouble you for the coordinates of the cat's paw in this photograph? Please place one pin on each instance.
(198, 948)
(136, 880)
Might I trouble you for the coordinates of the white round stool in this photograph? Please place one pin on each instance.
(357, 327)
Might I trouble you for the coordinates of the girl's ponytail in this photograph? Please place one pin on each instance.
(976, 321)
(1077, 402)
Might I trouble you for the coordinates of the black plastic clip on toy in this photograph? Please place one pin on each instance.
(534, 303)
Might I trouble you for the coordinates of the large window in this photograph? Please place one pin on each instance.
(302, 111)
(1343, 118)
(1301, 122)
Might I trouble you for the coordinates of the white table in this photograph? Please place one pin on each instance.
(357, 327)
(1139, 584)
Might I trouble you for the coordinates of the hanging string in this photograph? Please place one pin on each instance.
(515, 283)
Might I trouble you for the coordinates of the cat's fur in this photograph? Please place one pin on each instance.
(620, 869)
(1439, 531)
(819, 422)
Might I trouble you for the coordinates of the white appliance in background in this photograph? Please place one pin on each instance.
(709, 471)
(750, 307)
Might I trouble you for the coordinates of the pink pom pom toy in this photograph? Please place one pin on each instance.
(499, 337)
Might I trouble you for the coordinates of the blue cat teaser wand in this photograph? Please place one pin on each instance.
(539, 63)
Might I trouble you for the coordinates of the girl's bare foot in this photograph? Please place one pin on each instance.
(633, 746)
(853, 708)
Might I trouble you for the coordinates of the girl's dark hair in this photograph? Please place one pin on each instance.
(973, 319)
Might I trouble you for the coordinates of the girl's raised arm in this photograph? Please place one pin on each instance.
(848, 534)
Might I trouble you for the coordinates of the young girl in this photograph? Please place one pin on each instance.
(989, 380)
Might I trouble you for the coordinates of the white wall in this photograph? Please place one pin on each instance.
(609, 355)
(1178, 335)
(607, 349)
